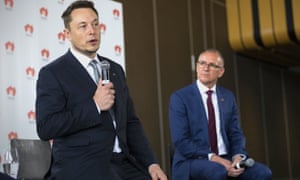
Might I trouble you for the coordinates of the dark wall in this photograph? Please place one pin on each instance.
(161, 39)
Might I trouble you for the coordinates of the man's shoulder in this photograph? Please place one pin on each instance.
(60, 63)
(188, 90)
(59, 59)
(221, 90)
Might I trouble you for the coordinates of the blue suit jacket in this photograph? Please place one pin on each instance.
(83, 139)
(189, 127)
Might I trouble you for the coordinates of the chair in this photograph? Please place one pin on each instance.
(171, 149)
(34, 158)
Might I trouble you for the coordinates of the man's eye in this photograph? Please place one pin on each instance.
(82, 26)
(96, 24)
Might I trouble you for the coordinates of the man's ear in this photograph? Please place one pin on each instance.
(221, 73)
(67, 33)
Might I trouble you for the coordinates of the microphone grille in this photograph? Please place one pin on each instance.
(249, 162)
(105, 65)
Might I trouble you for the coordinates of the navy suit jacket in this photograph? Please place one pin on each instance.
(83, 139)
(189, 127)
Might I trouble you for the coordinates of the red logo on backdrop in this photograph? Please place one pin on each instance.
(44, 12)
(102, 27)
(12, 135)
(31, 116)
(9, 4)
(11, 91)
(30, 72)
(116, 13)
(45, 54)
(118, 50)
(28, 29)
(61, 37)
(9, 47)
(60, 1)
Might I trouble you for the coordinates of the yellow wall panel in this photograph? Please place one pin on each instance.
(266, 24)
(246, 20)
(279, 21)
(296, 16)
(233, 25)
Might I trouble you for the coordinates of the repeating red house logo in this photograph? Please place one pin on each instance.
(11, 91)
(31, 116)
(30, 72)
(118, 50)
(43, 12)
(61, 37)
(116, 13)
(102, 27)
(45, 54)
(28, 29)
(12, 135)
(9, 4)
(60, 1)
(9, 47)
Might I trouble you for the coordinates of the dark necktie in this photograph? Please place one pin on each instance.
(212, 123)
(94, 63)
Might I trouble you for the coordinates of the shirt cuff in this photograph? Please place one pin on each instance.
(210, 155)
(98, 108)
(243, 156)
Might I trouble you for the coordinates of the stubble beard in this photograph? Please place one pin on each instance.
(89, 53)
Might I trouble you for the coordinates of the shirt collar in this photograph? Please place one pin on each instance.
(203, 89)
(84, 60)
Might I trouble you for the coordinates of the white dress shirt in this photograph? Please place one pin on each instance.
(203, 89)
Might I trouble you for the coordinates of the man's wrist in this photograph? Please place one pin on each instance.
(210, 156)
(151, 166)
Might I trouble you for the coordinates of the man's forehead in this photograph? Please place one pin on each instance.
(209, 56)
(83, 13)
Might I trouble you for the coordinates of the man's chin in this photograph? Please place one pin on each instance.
(91, 52)
(88, 51)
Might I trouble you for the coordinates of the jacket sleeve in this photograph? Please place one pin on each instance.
(56, 115)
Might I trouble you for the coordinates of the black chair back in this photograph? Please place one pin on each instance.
(34, 158)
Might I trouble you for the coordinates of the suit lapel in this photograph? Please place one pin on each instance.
(200, 117)
(197, 99)
(221, 101)
(116, 82)
(78, 72)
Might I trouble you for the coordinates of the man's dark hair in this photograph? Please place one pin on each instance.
(66, 16)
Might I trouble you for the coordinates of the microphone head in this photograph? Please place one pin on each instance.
(245, 163)
(105, 65)
(249, 162)
(105, 71)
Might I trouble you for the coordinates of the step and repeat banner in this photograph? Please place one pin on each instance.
(31, 36)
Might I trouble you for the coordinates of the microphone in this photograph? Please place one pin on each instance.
(245, 163)
(105, 71)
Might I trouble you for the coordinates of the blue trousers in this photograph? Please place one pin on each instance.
(202, 169)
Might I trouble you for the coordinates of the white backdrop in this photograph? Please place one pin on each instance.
(31, 36)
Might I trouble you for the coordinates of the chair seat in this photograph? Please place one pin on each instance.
(34, 158)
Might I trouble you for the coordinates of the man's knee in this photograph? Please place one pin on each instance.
(217, 172)
(265, 173)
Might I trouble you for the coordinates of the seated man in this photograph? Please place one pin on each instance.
(209, 142)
